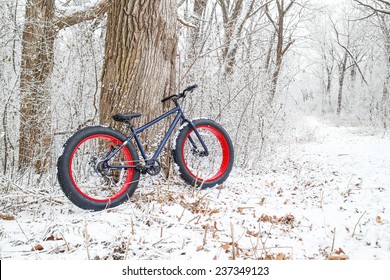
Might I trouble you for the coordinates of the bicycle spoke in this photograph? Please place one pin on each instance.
(93, 180)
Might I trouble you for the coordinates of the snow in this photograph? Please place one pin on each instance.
(323, 194)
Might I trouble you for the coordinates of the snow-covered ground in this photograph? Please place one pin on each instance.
(325, 195)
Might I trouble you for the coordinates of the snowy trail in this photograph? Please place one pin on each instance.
(325, 197)
(355, 169)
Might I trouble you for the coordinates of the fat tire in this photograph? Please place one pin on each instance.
(63, 170)
(177, 153)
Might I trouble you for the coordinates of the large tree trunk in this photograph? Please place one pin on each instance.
(40, 29)
(140, 56)
(386, 84)
(281, 46)
(233, 26)
(342, 70)
(195, 41)
(195, 35)
(37, 64)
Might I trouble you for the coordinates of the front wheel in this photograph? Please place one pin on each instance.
(90, 182)
(200, 168)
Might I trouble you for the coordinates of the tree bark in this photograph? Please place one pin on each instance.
(327, 56)
(233, 27)
(36, 68)
(40, 29)
(140, 59)
(386, 84)
(342, 70)
(281, 46)
(195, 38)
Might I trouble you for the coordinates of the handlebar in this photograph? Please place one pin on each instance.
(175, 97)
(190, 88)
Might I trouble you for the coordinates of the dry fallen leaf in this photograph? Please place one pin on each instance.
(378, 219)
(288, 219)
(225, 246)
(199, 248)
(281, 257)
(215, 211)
(262, 200)
(52, 238)
(337, 258)
(252, 233)
(7, 217)
(38, 247)
(339, 251)
(265, 218)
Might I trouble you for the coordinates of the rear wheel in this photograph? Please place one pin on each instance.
(86, 179)
(196, 166)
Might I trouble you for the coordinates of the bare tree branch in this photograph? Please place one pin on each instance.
(385, 2)
(269, 17)
(186, 24)
(96, 11)
(378, 10)
(289, 6)
(258, 9)
(288, 45)
(348, 52)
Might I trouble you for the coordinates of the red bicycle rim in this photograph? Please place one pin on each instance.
(225, 154)
(129, 172)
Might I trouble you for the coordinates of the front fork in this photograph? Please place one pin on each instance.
(195, 149)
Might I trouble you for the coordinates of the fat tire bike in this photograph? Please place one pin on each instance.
(100, 167)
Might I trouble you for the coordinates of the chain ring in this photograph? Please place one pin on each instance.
(154, 168)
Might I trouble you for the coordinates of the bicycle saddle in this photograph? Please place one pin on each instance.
(125, 117)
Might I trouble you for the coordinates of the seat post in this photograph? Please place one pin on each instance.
(130, 125)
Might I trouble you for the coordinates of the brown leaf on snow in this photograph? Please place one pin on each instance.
(38, 247)
(281, 257)
(215, 211)
(252, 233)
(278, 257)
(262, 200)
(7, 217)
(199, 248)
(337, 258)
(265, 218)
(52, 238)
(378, 219)
(288, 219)
(241, 208)
(339, 251)
(226, 246)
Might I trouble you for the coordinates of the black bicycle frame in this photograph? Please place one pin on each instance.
(135, 132)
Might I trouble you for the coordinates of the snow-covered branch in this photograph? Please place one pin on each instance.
(93, 12)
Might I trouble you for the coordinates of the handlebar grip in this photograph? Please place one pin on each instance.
(168, 98)
(181, 95)
(190, 88)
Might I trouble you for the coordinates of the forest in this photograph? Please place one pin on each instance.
(263, 68)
